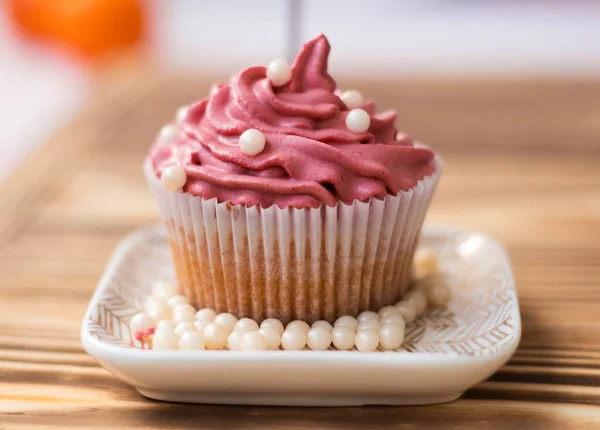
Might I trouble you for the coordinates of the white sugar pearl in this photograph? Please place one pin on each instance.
(164, 340)
(358, 121)
(184, 307)
(253, 341)
(352, 99)
(226, 320)
(206, 314)
(191, 340)
(215, 336)
(200, 324)
(322, 324)
(234, 341)
(366, 340)
(183, 327)
(167, 133)
(342, 338)
(298, 324)
(279, 72)
(273, 323)
(181, 113)
(293, 340)
(173, 177)
(438, 295)
(387, 310)
(176, 300)
(252, 142)
(425, 262)
(159, 311)
(164, 290)
(366, 316)
(346, 321)
(184, 316)
(273, 337)
(393, 319)
(245, 324)
(142, 322)
(318, 339)
(165, 325)
(407, 310)
(418, 299)
(151, 302)
(391, 336)
(368, 325)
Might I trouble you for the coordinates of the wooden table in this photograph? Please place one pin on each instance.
(523, 164)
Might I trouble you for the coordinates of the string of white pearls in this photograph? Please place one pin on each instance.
(170, 322)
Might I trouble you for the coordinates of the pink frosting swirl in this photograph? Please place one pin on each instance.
(310, 157)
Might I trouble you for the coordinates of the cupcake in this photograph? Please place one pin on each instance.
(286, 198)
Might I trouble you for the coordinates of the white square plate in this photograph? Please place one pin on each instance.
(446, 351)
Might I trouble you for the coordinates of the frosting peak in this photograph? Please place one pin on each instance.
(310, 157)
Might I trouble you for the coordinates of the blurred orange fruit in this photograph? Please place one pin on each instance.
(90, 27)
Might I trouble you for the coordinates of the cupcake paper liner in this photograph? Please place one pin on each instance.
(290, 263)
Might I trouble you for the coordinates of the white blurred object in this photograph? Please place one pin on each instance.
(389, 37)
(39, 92)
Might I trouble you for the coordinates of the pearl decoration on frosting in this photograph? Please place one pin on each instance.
(167, 133)
(252, 142)
(191, 340)
(173, 178)
(253, 341)
(279, 72)
(181, 113)
(352, 99)
(187, 329)
(358, 121)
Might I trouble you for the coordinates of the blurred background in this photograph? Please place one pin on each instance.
(53, 52)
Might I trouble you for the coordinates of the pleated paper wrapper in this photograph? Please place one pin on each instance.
(307, 264)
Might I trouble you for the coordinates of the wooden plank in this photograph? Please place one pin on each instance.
(522, 165)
